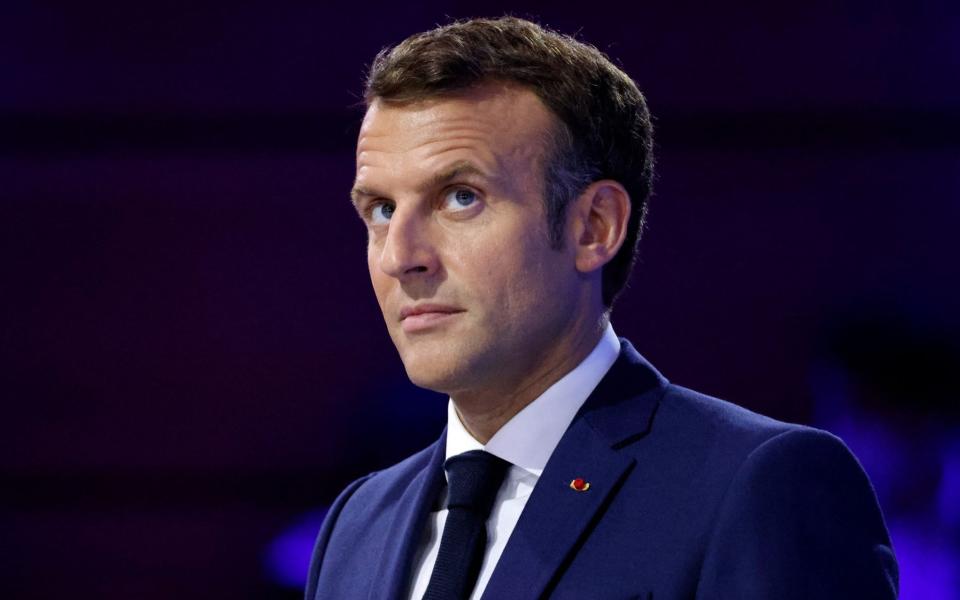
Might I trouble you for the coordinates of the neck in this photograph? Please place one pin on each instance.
(484, 412)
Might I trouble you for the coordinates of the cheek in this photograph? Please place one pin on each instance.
(540, 279)
(517, 277)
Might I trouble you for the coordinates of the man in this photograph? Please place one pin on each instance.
(503, 173)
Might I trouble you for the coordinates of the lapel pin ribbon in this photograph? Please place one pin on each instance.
(579, 485)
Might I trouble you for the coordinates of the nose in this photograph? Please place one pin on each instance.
(408, 249)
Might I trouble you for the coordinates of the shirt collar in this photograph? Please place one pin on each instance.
(529, 438)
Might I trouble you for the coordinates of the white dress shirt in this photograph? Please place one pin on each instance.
(526, 441)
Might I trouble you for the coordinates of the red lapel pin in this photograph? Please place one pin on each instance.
(579, 485)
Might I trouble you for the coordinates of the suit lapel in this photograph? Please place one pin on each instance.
(403, 538)
(558, 518)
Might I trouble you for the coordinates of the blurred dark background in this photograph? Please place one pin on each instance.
(192, 363)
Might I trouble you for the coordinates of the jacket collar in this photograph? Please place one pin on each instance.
(401, 542)
(557, 517)
(622, 407)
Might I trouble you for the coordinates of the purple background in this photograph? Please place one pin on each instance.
(192, 363)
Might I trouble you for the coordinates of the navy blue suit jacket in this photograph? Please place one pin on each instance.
(690, 497)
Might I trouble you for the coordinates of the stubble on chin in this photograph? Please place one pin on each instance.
(444, 366)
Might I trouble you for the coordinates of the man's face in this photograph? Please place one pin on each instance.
(451, 191)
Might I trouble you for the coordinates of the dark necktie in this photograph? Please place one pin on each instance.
(473, 480)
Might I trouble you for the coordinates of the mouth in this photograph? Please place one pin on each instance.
(426, 316)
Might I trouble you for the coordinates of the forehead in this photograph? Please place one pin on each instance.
(490, 123)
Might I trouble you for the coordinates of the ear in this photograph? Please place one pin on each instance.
(600, 215)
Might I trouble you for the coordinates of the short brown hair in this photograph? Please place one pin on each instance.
(604, 127)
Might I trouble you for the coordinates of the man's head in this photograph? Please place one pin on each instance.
(497, 195)
(603, 128)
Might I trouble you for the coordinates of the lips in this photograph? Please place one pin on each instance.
(422, 309)
(426, 316)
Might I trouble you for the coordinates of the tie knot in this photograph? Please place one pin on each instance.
(473, 479)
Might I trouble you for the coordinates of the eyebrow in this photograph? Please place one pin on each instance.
(461, 168)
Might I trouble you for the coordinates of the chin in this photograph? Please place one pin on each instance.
(441, 372)
(447, 363)
(433, 378)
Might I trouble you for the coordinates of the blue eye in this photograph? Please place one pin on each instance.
(459, 199)
(380, 213)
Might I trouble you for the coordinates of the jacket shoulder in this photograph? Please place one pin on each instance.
(381, 489)
(699, 419)
(354, 531)
(733, 489)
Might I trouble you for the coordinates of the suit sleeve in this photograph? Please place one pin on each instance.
(799, 520)
(323, 538)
